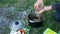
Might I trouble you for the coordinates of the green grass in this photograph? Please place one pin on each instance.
(49, 22)
(29, 4)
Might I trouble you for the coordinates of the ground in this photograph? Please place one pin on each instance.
(28, 5)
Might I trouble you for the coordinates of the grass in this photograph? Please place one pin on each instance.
(29, 4)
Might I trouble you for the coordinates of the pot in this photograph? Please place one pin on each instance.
(35, 20)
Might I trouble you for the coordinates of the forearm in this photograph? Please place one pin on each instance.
(46, 8)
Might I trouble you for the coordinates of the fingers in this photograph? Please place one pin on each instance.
(39, 6)
(40, 11)
(36, 6)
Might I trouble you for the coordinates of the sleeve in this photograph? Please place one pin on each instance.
(56, 6)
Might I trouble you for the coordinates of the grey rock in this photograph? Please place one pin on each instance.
(17, 25)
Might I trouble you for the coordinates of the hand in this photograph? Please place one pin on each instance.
(39, 12)
(39, 5)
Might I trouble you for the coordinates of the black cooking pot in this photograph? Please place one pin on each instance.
(35, 21)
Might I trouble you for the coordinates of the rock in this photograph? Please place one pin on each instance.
(16, 25)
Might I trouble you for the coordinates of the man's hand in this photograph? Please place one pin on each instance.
(39, 5)
(40, 12)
